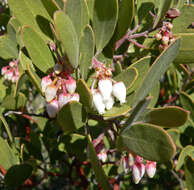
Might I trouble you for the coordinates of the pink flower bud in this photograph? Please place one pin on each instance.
(70, 85)
(45, 82)
(105, 88)
(75, 97)
(169, 25)
(50, 92)
(98, 102)
(158, 36)
(102, 155)
(165, 40)
(150, 168)
(58, 68)
(52, 108)
(12, 64)
(109, 103)
(119, 91)
(63, 99)
(138, 171)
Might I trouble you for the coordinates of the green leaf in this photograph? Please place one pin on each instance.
(34, 78)
(186, 151)
(38, 50)
(71, 117)
(170, 116)
(74, 144)
(189, 173)
(78, 13)
(86, 51)
(90, 4)
(104, 21)
(7, 155)
(21, 80)
(163, 7)
(125, 17)
(116, 111)
(8, 48)
(51, 6)
(12, 179)
(187, 103)
(11, 103)
(146, 140)
(68, 37)
(182, 23)
(137, 111)
(186, 53)
(142, 66)
(85, 94)
(99, 172)
(155, 92)
(32, 13)
(174, 133)
(157, 69)
(128, 76)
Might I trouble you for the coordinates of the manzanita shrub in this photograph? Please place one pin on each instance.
(97, 94)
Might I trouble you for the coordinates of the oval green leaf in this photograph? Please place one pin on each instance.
(37, 49)
(68, 37)
(147, 140)
(104, 21)
(170, 116)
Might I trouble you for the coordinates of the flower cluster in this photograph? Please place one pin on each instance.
(135, 163)
(165, 35)
(107, 89)
(11, 72)
(59, 88)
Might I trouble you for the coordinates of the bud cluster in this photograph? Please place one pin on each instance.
(59, 88)
(138, 167)
(165, 35)
(107, 89)
(11, 71)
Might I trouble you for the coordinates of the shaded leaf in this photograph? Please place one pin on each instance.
(71, 117)
(169, 116)
(189, 172)
(104, 21)
(12, 179)
(99, 172)
(157, 69)
(186, 151)
(147, 140)
(38, 50)
(86, 51)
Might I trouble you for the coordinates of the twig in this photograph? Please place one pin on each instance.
(178, 179)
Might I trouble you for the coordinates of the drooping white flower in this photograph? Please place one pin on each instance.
(45, 82)
(138, 170)
(63, 99)
(102, 155)
(125, 164)
(119, 91)
(165, 40)
(98, 101)
(70, 85)
(50, 92)
(9, 75)
(75, 97)
(109, 103)
(52, 108)
(105, 88)
(4, 70)
(150, 168)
